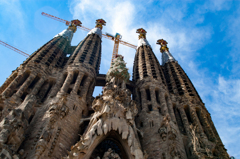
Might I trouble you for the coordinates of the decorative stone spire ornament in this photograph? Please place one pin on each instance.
(166, 55)
(142, 37)
(68, 33)
(98, 28)
(118, 71)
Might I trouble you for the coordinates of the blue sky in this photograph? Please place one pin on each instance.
(202, 35)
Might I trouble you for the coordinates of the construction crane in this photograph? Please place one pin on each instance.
(14, 49)
(117, 38)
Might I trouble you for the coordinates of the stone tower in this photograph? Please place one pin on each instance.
(47, 108)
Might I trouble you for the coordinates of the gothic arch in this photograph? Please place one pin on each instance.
(111, 140)
(114, 136)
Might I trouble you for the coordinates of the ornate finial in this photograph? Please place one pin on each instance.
(100, 23)
(163, 44)
(142, 33)
(118, 69)
(73, 25)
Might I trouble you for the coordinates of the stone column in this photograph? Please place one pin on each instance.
(10, 88)
(67, 82)
(195, 120)
(86, 87)
(97, 55)
(149, 70)
(170, 110)
(143, 98)
(78, 82)
(185, 121)
(140, 63)
(163, 103)
(25, 85)
(153, 98)
(44, 90)
(56, 86)
(207, 127)
(213, 128)
(7, 82)
(157, 69)
(37, 86)
(172, 81)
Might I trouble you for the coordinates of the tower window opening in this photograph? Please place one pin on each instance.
(187, 111)
(198, 115)
(150, 107)
(83, 80)
(24, 95)
(47, 63)
(151, 124)
(64, 78)
(34, 82)
(82, 83)
(179, 120)
(148, 94)
(157, 96)
(90, 89)
(141, 124)
(69, 90)
(74, 107)
(23, 79)
(30, 118)
(75, 75)
(48, 90)
(159, 110)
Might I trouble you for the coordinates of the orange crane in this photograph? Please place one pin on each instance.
(14, 49)
(117, 38)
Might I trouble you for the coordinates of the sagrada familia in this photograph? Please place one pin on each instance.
(47, 109)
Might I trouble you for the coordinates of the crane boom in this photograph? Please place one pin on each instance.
(14, 49)
(116, 39)
(87, 29)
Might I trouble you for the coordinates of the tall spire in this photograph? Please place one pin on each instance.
(68, 33)
(142, 37)
(98, 28)
(166, 55)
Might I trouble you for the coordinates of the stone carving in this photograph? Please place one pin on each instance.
(166, 130)
(54, 141)
(219, 151)
(42, 143)
(110, 154)
(13, 125)
(163, 133)
(197, 147)
(175, 154)
(56, 111)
